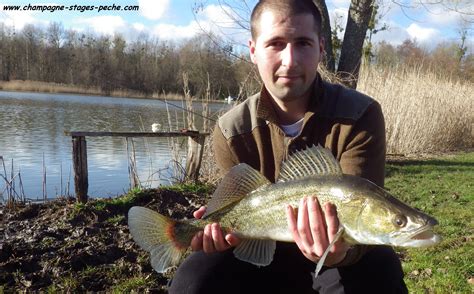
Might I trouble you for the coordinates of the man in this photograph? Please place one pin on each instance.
(295, 109)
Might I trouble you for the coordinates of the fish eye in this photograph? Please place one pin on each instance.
(399, 220)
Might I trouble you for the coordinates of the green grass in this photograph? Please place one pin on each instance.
(443, 188)
(190, 188)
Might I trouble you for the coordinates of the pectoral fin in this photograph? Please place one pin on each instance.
(325, 254)
(258, 252)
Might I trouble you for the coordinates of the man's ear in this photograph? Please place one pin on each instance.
(322, 42)
(252, 45)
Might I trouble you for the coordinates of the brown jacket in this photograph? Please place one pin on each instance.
(345, 121)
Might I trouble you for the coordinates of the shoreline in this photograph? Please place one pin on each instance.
(55, 88)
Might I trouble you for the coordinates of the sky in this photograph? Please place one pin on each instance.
(178, 20)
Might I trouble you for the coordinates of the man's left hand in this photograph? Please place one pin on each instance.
(313, 229)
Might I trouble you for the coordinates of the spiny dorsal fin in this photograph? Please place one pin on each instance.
(236, 184)
(309, 162)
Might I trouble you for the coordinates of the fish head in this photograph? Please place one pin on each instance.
(388, 221)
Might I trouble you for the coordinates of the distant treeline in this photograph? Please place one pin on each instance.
(150, 65)
(109, 63)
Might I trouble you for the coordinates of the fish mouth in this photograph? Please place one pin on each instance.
(422, 237)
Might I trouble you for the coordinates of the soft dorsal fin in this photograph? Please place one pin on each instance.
(236, 184)
(309, 162)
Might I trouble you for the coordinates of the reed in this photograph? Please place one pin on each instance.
(424, 112)
(50, 87)
(132, 164)
(13, 191)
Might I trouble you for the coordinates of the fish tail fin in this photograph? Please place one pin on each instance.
(165, 239)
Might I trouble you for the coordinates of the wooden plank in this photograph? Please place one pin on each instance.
(136, 134)
(79, 154)
(79, 158)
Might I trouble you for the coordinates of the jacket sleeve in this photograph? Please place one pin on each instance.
(364, 147)
(224, 156)
(364, 156)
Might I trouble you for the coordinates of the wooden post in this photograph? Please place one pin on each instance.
(194, 157)
(79, 158)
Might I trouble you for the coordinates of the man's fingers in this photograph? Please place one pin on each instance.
(219, 243)
(333, 227)
(200, 212)
(332, 221)
(318, 226)
(208, 243)
(196, 242)
(291, 220)
(232, 240)
(304, 229)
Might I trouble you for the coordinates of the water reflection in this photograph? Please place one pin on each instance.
(33, 126)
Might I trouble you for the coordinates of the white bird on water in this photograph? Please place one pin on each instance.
(156, 127)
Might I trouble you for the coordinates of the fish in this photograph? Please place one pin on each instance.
(251, 207)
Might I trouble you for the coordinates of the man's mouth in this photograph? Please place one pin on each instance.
(288, 78)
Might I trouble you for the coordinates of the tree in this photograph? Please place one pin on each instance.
(410, 53)
(386, 54)
(358, 19)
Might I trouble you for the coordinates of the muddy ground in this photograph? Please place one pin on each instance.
(63, 246)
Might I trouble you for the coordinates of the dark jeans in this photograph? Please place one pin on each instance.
(379, 271)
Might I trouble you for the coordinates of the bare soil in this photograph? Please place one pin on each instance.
(63, 246)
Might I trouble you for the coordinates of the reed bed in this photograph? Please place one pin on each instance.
(424, 112)
(46, 87)
(49, 87)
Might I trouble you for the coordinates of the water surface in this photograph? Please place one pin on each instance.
(33, 127)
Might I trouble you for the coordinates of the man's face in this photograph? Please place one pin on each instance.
(287, 52)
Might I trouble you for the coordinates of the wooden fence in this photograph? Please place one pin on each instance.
(79, 154)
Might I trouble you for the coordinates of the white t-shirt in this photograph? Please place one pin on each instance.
(293, 130)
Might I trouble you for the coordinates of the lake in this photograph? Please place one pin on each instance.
(32, 134)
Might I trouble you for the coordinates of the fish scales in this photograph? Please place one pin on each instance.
(263, 212)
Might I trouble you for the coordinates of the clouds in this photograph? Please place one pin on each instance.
(421, 34)
(18, 19)
(216, 19)
(153, 9)
(107, 24)
(170, 32)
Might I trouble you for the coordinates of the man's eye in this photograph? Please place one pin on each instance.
(277, 44)
(304, 43)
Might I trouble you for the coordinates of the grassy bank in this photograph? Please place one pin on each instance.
(444, 188)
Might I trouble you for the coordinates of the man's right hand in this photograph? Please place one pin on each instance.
(212, 239)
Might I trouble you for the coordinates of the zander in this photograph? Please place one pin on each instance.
(251, 207)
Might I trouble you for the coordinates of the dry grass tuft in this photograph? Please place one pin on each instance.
(424, 113)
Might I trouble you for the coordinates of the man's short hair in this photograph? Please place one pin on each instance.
(287, 7)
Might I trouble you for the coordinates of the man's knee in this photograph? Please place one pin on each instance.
(205, 273)
(380, 269)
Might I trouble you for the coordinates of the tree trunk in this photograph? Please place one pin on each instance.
(326, 34)
(351, 51)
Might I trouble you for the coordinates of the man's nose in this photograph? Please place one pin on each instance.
(289, 56)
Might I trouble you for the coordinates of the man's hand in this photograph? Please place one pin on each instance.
(211, 239)
(313, 229)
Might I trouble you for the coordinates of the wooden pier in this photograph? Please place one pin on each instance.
(79, 154)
